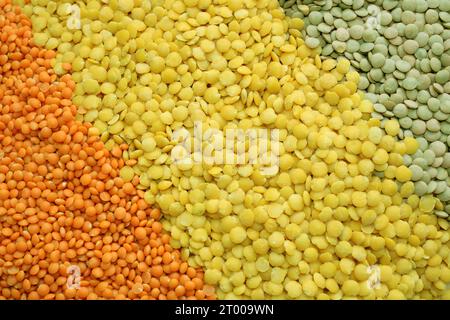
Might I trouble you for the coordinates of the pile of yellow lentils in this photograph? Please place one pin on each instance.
(341, 203)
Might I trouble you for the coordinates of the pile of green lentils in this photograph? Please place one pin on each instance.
(402, 51)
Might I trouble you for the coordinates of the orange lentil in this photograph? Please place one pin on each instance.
(140, 233)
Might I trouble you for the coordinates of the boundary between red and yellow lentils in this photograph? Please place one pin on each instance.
(62, 201)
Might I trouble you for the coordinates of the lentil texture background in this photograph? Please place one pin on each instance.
(62, 202)
(402, 51)
(342, 199)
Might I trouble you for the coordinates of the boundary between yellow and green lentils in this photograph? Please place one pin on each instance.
(402, 51)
